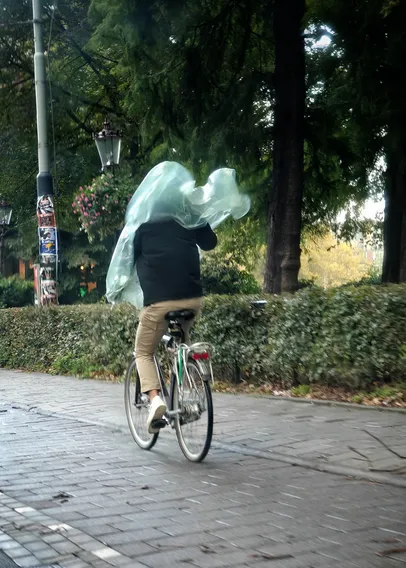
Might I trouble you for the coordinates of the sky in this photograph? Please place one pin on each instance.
(372, 208)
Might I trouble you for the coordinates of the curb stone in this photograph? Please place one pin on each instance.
(321, 402)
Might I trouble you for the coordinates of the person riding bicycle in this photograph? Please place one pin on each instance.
(168, 266)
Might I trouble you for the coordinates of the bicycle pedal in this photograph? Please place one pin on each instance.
(160, 423)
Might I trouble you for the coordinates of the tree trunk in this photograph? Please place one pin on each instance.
(285, 196)
(394, 261)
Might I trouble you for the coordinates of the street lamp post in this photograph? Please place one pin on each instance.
(47, 231)
(5, 219)
(108, 143)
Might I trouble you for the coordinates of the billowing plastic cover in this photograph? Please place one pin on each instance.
(169, 192)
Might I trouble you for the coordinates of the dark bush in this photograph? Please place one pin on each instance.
(16, 293)
(221, 275)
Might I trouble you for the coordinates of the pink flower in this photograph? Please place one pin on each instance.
(86, 214)
(91, 222)
(107, 196)
(80, 188)
(116, 202)
(89, 204)
(82, 195)
(86, 199)
(93, 195)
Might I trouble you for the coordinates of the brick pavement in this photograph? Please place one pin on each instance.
(320, 436)
(79, 495)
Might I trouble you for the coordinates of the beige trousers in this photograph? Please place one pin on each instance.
(151, 328)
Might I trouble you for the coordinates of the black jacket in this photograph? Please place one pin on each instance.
(168, 262)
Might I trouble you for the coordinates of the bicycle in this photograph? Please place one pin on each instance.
(189, 399)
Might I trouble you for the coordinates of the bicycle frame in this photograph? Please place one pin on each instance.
(200, 353)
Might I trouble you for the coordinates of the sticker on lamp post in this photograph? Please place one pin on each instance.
(47, 241)
(48, 291)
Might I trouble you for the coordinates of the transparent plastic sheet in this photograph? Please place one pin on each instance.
(169, 192)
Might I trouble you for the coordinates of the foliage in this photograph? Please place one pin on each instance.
(301, 391)
(373, 277)
(306, 283)
(101, 205)
(16, 293)
(222, 275)
(242, 241)
(370, 231)
(330, 263)
(387, 394)
(351, 337)
(367, 70)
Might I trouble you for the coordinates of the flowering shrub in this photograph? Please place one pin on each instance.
(101, 205)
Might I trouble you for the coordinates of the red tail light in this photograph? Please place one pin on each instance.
(200, 356)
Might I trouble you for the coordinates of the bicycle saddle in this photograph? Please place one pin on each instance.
(184, 315)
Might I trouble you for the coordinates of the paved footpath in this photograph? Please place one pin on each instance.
(75, 490)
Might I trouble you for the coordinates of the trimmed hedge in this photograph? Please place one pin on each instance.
(349, 336)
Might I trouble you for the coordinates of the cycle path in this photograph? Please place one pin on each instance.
(76, 492)
(347, 440)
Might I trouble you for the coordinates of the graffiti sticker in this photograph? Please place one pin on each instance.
(47, 220)
(47, 272)
(48, 290)
(47, 259)
(45, 205)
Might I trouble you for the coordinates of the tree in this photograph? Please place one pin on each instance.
(198, 83)
(283, 257)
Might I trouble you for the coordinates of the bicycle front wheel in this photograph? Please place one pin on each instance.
(194, 422)
(137, 409)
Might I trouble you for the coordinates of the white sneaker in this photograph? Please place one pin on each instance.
(156, 411)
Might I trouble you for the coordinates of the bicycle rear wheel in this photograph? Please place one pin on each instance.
(137, 408)
(194, 423)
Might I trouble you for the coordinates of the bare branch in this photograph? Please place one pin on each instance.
(391, 551)
(359, 453)
(394, 452)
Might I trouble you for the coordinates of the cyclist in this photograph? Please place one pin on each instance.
(168, 267)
